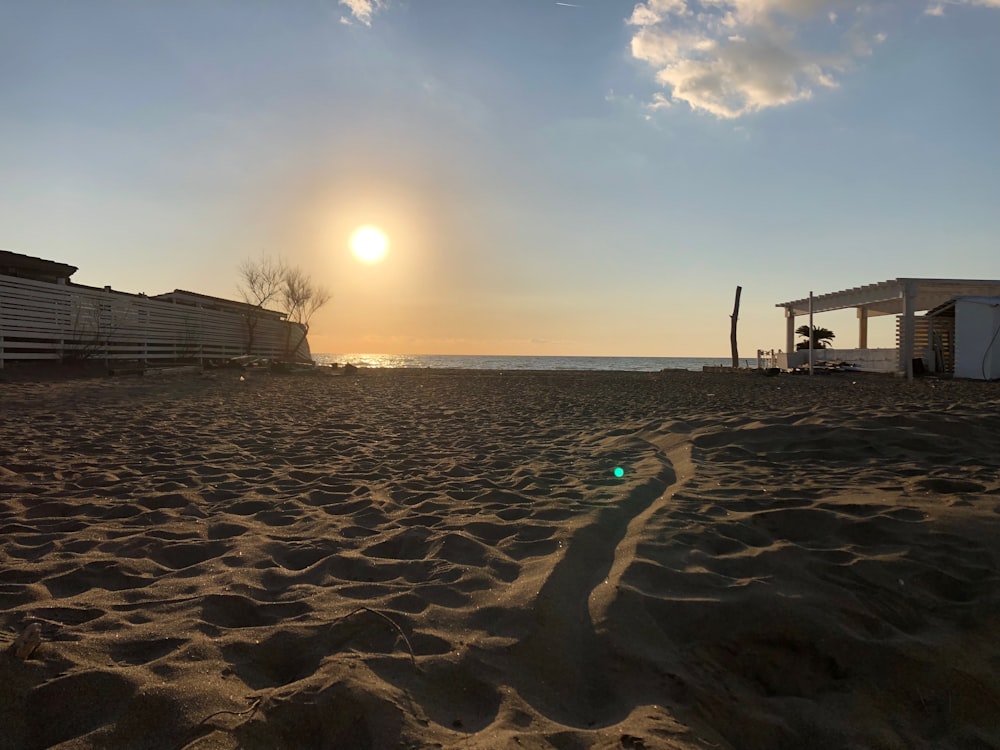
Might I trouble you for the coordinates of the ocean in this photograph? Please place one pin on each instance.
(493, 362)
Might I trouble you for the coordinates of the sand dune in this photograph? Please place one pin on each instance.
(446, 559)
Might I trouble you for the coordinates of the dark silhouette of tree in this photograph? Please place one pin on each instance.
(260, 283)
(821, 337)
(301, 299)
(267, 281)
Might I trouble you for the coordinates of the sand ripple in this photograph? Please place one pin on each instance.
(430, 558)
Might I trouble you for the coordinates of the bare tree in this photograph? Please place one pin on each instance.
(267, 280)
(261, 282)
(301, 299)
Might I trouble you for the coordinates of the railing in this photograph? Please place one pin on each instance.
(767, 359)
(46, 321)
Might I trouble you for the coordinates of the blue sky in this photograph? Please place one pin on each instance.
(586, 178)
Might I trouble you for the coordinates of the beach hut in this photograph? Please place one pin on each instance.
(903, 297)
(975, 323)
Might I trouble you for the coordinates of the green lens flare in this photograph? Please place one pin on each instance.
(619, 472)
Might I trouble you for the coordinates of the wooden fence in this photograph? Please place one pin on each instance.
(933, 341)
(41, 320)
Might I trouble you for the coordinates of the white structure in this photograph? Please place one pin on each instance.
(904, 297)
(44, 316)
(976, 322)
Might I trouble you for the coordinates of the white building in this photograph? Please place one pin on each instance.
(928, 343)
(976, 325)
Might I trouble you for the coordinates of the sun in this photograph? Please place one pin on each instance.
(369, 244)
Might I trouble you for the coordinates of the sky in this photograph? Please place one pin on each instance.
(554, 178)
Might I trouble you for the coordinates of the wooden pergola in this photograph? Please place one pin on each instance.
(905, 297)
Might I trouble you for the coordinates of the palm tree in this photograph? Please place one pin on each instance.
(821, 337)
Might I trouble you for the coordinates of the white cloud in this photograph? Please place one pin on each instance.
(731, 57)
(362, 10)
(734, 57)
(937, 8)
(653, 11)
(659, 102)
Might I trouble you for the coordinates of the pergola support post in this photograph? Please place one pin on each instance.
(906, 329)
(930, 354)
(789, 329)
(812, 335)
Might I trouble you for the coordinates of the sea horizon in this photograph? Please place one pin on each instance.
(524, 362)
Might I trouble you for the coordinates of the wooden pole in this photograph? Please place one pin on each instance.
(812, 336)
(732, 331)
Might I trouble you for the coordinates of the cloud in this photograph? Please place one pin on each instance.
(937, 8)
(653, 11)
(659, 102)
(731, 58)
(362, 10)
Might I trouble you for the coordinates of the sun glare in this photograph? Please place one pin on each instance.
(369, 244)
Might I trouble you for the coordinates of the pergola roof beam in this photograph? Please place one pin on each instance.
(886, 297)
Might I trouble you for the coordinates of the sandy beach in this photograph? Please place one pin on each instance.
(446, 559)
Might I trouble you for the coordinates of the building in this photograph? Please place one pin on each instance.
(974, 324)
(44, 316)
(20, 266)
(205, 302)
(921, 345)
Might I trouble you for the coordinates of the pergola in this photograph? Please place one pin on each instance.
(904, 297)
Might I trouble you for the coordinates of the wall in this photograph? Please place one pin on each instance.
(40, 321)
(976, 324)
(942, 355)
(868, 360)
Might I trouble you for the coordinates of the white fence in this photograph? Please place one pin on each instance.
(866, 360)
(40, 320)
(767, 359)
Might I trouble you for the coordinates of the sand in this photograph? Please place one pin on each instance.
(439, 559)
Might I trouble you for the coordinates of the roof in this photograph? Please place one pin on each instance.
(35, 266)
(947, 309)
(886, 297)
(205, 300)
